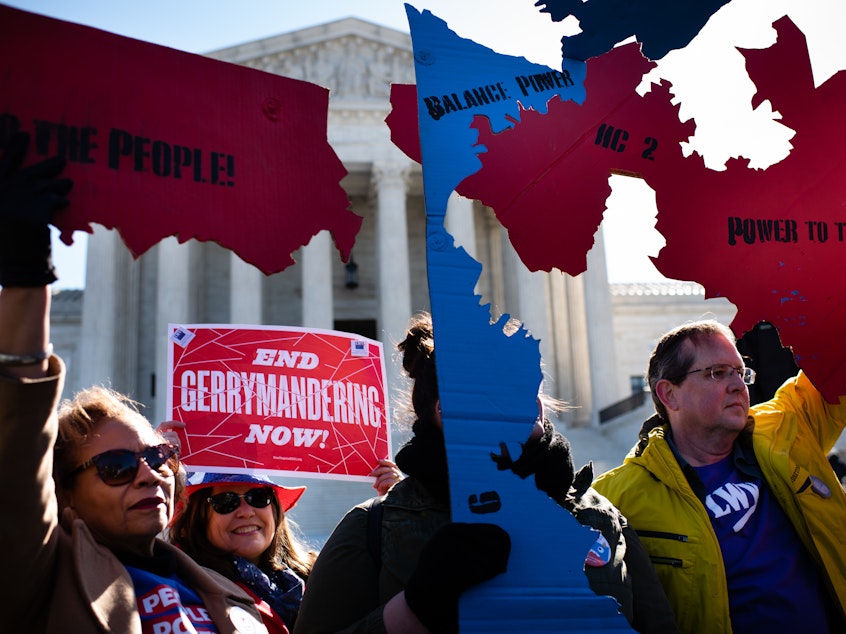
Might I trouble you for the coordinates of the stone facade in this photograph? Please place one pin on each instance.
(644, 312)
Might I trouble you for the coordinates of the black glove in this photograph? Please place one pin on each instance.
(548, 457)
(457, 557)
(29, 197)
(557, 9)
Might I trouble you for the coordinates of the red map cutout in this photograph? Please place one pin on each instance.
(772, 242)
(547, 177)
(161, 142)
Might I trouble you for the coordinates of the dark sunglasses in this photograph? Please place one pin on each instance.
(120, 466)
(226, 502)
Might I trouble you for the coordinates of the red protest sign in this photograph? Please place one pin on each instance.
(160, 142)
(287, 401)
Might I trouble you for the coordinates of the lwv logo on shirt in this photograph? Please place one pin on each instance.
(740, 499)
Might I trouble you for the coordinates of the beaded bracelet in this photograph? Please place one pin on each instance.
(26, 359)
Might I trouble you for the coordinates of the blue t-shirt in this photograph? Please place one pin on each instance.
(168, 606)
(773, 584)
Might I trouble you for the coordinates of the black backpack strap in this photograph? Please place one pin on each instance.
(374, 530)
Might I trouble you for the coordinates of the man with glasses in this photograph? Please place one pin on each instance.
(738, 508)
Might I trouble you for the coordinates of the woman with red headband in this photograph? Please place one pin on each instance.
(236, 524)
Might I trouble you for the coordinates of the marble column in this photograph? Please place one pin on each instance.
(599, 313)
(245, 292)
(580, 361)
(559, 366)
(532, 305)
(109, 315)
(390, 181)
(318, 308)
(460, 222)
(173, 306)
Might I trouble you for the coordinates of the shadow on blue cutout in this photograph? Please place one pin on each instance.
(659, 25)
(489, 380)
(484, 503)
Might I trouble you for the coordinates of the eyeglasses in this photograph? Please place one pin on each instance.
(120, 466)
(723, 371)
(226, 502)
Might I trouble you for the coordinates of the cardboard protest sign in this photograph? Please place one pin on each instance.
(742, 230)
(659, 25)
(286, 401)
(773, 242)
(764, 239)
(546, 176)
(455, 92)
(161, 142)
(488, 379)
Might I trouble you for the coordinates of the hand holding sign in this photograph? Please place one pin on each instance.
(171, 429)
(29, 197)
(387, 474)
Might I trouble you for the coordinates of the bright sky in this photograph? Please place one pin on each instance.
(707, 76)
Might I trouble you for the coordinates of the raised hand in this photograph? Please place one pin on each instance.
(29, 196)
(387, 474)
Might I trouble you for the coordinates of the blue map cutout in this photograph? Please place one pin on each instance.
(659, 25)
(489, 381)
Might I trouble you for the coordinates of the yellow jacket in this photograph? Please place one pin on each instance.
(791, 437)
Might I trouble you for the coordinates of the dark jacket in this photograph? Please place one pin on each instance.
(629, 576)
(348, 587)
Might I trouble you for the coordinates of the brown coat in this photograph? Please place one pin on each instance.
(55, 577)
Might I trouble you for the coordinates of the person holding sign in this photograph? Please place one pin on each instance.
(404, 572)
(90, 489)
(236, 524)
(738, 507)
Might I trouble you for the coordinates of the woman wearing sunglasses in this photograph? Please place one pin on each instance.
(88, 492)
(236, 524)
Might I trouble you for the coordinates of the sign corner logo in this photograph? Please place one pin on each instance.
(181, 336)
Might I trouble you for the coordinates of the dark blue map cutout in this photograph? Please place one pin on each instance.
(659, 25)
(489, 381)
